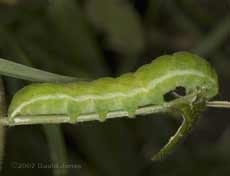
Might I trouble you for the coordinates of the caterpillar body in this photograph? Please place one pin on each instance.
(146, 86)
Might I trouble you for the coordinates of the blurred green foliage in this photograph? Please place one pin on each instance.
(90, 39)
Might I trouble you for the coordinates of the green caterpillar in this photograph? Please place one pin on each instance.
(146, 86)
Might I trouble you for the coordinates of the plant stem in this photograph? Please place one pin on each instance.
(218, 104)
(61, 118)
(52, 119)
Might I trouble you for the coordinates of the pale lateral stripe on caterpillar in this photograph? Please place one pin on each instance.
(108, 96)
(101, 95)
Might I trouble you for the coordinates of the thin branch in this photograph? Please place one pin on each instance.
(218, 104)
(61, 118)
(53, 119)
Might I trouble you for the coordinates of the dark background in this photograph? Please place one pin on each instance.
(95, 38)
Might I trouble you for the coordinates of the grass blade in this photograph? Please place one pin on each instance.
(12, 69)
(2, 129)
(57, 149)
